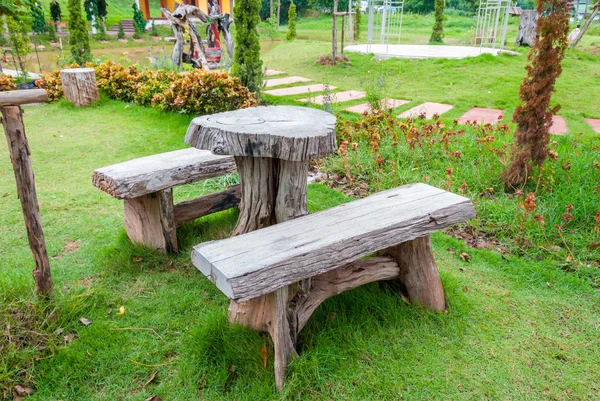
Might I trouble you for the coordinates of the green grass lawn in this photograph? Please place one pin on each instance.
(515, 329)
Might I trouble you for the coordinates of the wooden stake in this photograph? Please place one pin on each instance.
(334, 32)
(12, 120)
(586, 25)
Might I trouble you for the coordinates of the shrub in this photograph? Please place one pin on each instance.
(153, 30)
(358, 20)
(79, 40)
(201, 92)
(247, 65)
(7, 83)
(534, 115)
(52, 32)
(117, 81)
(139, 21)
(55, 11)
(437, 35)
(51, 82)
(121, 33)
(291, 33)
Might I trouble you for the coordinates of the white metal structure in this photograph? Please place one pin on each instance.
(385, 22)
(492, 16)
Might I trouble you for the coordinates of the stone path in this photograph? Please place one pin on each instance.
(480, 115)
(338, 97)
(269, 73)
(366, 107)
(594, 123)
(297, 90)
(476, 114)
(559, 126)
(285, 81)
(428, 108)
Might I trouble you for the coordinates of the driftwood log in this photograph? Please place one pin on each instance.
(279, 275)
(79, 85)
(18, 146)
(145, 185)
(527, 35)
(587, 24)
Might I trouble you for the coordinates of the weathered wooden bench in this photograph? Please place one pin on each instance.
(277, 276)
(145, 185)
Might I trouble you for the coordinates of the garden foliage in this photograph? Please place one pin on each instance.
(7, 83)
(38, 24)
(121, 33)
(198, 92)
(380, 152)
(18, 32)
(437, 36)
(534, 115)
(139, 22)
(55, 12)
(358, 20)
(247, 65)
(291, 32)
(79, 40)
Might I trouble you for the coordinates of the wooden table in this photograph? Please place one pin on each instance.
(272, 146)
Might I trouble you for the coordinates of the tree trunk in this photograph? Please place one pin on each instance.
(79, 85)
(278, 13)
(12, 120)
(334, 33)
(527, 35)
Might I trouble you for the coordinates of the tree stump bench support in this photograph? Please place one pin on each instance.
(79, 85)
(145, 185)
(280, 274)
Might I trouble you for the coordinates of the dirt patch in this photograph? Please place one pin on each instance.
(328, 60)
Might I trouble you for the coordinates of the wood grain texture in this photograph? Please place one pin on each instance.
(18, 146)
(282, 132)
(79, 85)
(208, 204)
(149, 220)
(27, 96)
(150, 174)
(526, 35)
(419, 272)
(260, 262)
(291, 191)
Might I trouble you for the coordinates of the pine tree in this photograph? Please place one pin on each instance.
(55, 12)
(247, 65)
(358, 19)
(139, 21)
(291, 33)
(534, 115)
(37, 16)
(79, 41)
(437, 36)
(121, 33)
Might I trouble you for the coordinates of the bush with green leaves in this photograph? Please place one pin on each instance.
(38, 24)
(247, 65)
(52, 32)
(79, 40)
(139, 22)
(357, 20)
(18, 35)
(291, 33)
(437, 36)
(121, 33)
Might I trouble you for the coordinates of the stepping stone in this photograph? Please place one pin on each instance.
(427, 108)
(366, 107)
(481, 116)
(594, 123)
(284, 81)
(269, 73)
(337, 97)
(296, 90)
(559, 126)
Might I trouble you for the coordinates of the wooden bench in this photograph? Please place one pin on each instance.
(277, 276)
(145, 184)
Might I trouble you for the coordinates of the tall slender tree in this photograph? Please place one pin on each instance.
(79, 40)
(247, 65)
(291, 32)
(38, 24)
(534, 115)
(437, 36)
(55, 12)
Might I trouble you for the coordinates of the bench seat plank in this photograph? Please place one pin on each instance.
(150, 174)
(257, 263)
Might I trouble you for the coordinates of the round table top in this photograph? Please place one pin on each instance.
(282, 132)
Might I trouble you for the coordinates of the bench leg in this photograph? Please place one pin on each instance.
(149, 220)
(419, 272)
(283, 332)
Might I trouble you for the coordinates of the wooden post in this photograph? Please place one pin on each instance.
(343, 25)
(79, 85)
(334, 33)
(14, 129)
